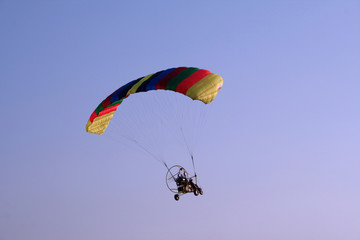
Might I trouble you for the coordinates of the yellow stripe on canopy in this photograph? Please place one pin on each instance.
(206, 89)
(138, 84)
(99, 124)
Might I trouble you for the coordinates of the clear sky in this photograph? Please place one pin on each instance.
(279, 157)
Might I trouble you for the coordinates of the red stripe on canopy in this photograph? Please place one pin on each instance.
(93, 116)
(106, 102)
(108, 110)
(191, 80)
(163, 82)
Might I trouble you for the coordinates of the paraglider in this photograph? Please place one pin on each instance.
(195, 83)
(198, 84)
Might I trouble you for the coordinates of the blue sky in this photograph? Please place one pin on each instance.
(279, 157)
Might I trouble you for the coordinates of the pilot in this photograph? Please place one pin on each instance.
(181, 180)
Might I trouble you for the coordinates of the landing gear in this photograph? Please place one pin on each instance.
(196, 192)
(176, 196)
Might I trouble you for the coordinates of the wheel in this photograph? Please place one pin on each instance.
(201, 191)
(176, 196)
(196, 192)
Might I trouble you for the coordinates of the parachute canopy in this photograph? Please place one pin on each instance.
(198, 84)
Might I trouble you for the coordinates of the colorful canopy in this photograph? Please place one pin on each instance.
(198, 84)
